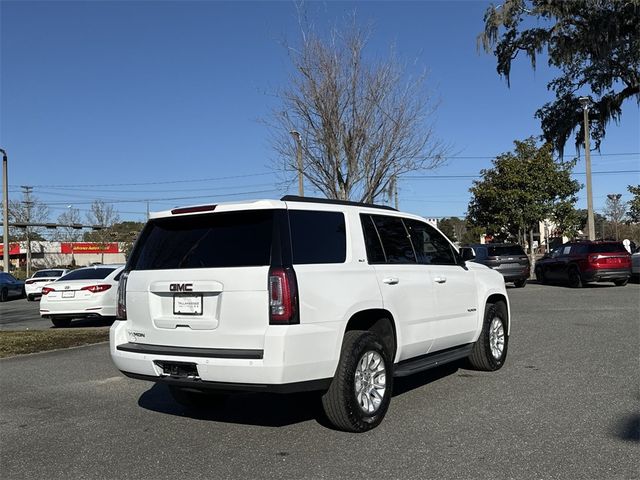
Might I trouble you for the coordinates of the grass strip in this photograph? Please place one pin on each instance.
(32, 341)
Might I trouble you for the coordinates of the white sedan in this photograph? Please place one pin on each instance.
(33, 285)
(85, 292)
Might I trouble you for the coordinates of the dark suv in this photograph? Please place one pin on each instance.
(506, 258)
(577, 263)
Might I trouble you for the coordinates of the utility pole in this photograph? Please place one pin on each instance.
(395, 191)
(28, 203)
(586, 101)
(297, 136)
(147, 209)
(5, 211)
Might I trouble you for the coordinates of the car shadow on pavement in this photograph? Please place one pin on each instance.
(261, 409)
(403, 385)
(628, 428)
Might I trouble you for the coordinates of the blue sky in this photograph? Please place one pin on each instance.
(169, 96)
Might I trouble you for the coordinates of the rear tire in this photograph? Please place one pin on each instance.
(520, 283)
(540, 277)
(621, 283)
(61, 322)
(360, 392)
(490, 351)
(30, 298)
(195, 399)
(575, 280)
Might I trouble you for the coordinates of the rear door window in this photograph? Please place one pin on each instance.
(375, 252)
(395, 239)
(318, 237)
(216, 240)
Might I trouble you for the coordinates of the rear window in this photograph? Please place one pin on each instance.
(317, 237)
(607, 248)
(48, 273)
(98, 273)
(502, 250)
(234, 239)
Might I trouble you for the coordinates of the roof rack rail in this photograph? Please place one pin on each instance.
(295, 198)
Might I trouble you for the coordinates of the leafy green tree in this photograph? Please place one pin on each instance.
(523, 188)
(634, 204)
(594, 43)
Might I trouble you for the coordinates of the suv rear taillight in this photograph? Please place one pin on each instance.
(283, 296)
(121, 309)
(97, 288)
(46, 290)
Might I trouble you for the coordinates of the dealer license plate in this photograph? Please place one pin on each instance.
(68, 294)
(186, 304)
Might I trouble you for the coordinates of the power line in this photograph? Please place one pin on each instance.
(436, 177)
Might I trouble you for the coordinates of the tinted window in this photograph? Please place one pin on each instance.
(607, 248)
(505, 250)
(318, 237)
(97, 273)
(395, 240)
(430, 245)
(375, 253)
(47, 273)
(235, 239)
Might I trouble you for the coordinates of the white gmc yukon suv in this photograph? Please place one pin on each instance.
(302, 294)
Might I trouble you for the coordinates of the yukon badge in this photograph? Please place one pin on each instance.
(181, 287)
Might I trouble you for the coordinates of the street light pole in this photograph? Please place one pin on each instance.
(591, 230)
(5, 210)
(296, 135)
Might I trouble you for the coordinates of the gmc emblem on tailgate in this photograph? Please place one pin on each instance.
(181, 287)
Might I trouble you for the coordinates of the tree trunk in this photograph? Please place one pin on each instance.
(531, 250)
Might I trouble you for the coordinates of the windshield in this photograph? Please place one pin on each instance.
(502, 250)
(234, 239)
(48, 273)
(98, 273)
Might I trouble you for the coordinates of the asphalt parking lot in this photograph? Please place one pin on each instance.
(566, 405)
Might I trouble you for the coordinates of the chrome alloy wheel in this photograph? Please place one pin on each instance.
(496, 338)
(370, 381)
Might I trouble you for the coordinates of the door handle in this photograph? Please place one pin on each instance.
(440, 279)
(391, 280)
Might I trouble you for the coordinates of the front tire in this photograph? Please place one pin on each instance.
(4, 295)
(360, 392)
(540, 277)
(490, 351)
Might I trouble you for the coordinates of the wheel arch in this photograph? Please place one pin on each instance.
(499, 298)
(379, 321)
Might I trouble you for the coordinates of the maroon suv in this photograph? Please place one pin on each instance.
(581, 262)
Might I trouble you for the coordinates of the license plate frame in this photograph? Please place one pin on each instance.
(70, 294)
(187, 304)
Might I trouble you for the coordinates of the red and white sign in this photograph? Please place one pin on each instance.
(14, 249)
(89, 247)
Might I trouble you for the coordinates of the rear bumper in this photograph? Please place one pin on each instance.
(606, 275)
(514, 275)
(292, 356)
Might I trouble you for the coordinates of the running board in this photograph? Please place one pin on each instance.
(431, 360)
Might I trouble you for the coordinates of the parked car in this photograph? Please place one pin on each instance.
(10, 286)
(85, 292)
(303, 294)
(33, 285)
(577, 263)
(508, 259)
(635, 264)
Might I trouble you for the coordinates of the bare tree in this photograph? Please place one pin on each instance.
(615, 210)
(361, 122)
(68, 234)
(106, 216)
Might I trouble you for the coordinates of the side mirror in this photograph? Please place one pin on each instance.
(467, 253)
